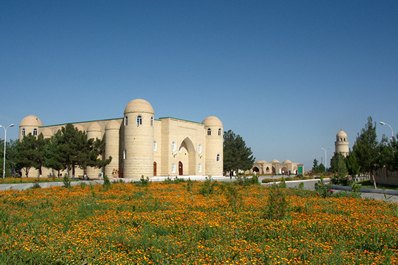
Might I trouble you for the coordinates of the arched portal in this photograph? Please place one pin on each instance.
(187, 157)
(256, 169)
(285, 171)
(180, 168)
(273, 170)
(155, 165)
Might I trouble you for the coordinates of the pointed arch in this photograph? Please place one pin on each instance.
(187, 153)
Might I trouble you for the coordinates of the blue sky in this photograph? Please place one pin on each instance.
(285, 75)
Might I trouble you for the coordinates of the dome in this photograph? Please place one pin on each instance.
(31, 120)
(112, 125)
(94, 127)
(261, 162)
(275, 161)
(341, 134)
(212, 121)
(287, 162)
(139, 105)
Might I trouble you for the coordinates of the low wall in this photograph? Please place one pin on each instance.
(385, 177)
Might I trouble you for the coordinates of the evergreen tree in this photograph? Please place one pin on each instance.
(26, 154)
(353, 165)
(237, 156)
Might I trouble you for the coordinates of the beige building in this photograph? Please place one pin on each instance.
(275, 167)
(141, 145)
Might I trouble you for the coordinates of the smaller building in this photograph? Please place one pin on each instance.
(341, 143)
(275, 167)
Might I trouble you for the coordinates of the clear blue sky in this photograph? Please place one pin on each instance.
(285, 75)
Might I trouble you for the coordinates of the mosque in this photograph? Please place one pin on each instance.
(141, 145)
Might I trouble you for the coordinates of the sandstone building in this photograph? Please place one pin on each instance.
(141, 145)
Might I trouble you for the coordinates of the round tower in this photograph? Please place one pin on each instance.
(214, 146)
(29, 124)
(112, 130)
(342, 144)
(137, 151)
(94, 132)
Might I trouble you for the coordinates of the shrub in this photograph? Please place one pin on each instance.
(276, 208)
(67, 181)
(207, 187)
(107, 183)
(323, 189)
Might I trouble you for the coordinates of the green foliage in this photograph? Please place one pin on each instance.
(207, 187)
(365, 147)
(317, 168)
(107, 183)
(231, 193)
(237, 156)
(245, 181)
(144, 181)
(67, 181)
(277, 206)
(323, 189)
(189, 185)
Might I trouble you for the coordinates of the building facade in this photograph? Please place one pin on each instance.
(341, 143)
(141, 145)
(275, 167)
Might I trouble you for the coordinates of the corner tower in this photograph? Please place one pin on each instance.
(138, 123)
(214, 146)
(342, 144)
(29, 124)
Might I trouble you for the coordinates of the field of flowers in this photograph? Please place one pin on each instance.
(193, 223)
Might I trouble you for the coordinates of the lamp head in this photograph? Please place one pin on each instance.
(382, 123)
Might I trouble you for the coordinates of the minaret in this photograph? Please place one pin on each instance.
(342, 144)
(94, 132)
(138, 139)
(214, 146)
(112, 130)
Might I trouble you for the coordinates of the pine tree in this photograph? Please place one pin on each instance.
(237, 156)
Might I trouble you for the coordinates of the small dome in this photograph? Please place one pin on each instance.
(212, 121)
(94, 127)
(275, 161)
(47, 132)
(341, 133)
(261, 162)
(112, 125)
(31, 120)
(287, 162)
(139, 105)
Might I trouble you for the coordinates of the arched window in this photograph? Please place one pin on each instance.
(209, 131)
(199, 149)
(173, 168)
(23, 132)
(155, 146)
(126, 120)
(199, 168)
(218, 157)
(219, 131)
(139, 120)
(173, 147)
(124, 154)
(34, 132)
(152, 121)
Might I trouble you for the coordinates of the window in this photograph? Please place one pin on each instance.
(152, 121)
(173, 168)
(173, 147)
(139, 120)
(199, 168)
(124, 154)
(218, 157)
(126, 120)
(209, 131)
(199, 148)
(23, 132)
(155, 146)
(34, 132)
(219, 131)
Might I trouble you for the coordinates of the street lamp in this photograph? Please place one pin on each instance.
(324, 149)
(392, 131)
(5, 143)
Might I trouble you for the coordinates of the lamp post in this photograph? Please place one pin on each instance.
(5, 144)
(324, 149)
(387, 124)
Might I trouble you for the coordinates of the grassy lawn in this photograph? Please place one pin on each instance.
(193, 223)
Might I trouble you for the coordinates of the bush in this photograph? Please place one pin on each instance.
(67, 181)
(207, 187)
(276, 208)
(107, 183)
(323, 189)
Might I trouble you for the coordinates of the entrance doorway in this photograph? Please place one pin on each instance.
(154, 169)
(180, 168)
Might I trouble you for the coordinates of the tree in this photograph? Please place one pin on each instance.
(10, 157)
(365, 149)
(26, 155)
(317, 168)
(353, 165)
(237, 156)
